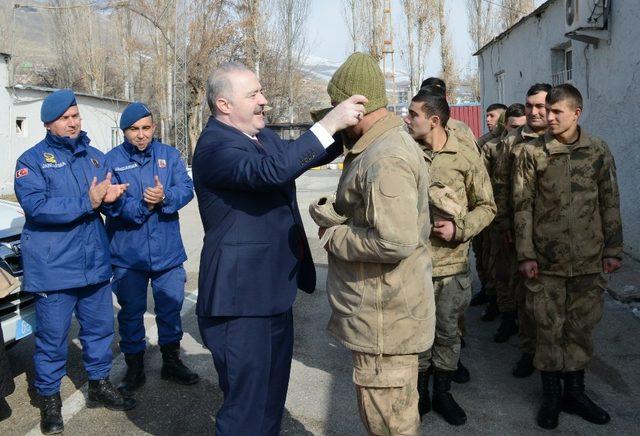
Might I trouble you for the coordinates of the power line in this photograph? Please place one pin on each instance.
(500, 5)
(109, 4)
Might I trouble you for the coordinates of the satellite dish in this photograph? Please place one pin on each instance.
(571, 11)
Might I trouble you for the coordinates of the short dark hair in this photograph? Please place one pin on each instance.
(515, 110)
(538, 88)
(496, 106)
(434, 81)
(434, 90)
(565, 92)
(433, 104)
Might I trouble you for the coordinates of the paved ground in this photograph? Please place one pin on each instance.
(321, 398)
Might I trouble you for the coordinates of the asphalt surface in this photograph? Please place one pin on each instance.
(321, 399)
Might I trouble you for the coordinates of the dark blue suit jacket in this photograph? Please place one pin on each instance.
(255, 254)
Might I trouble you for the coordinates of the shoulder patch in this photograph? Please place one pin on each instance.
(22, 172)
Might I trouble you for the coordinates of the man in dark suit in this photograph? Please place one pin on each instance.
(255, 253)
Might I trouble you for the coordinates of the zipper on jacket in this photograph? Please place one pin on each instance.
(571, 221)
(380, 317)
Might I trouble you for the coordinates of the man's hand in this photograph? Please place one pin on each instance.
(114, 192)
(529, 269)
(348, 113)
(155, 195)
(507, 238)
(97, 191)
(444, 230)
(610, 264)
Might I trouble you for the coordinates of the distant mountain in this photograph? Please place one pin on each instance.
(323, 69)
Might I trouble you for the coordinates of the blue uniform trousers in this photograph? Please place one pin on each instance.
(130, 287)
(252, 356)
(93, 307)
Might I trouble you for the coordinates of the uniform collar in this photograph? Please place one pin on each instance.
(76, 145)
(379, 128)
(554, 146)
(528, 133)
(133, 150)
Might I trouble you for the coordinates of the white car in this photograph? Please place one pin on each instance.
(17, 310)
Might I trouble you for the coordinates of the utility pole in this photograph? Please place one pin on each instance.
(181, 133)
(388, 51)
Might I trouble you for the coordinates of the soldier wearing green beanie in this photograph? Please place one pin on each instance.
(377, 239)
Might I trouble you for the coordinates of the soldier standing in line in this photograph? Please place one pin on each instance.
(458, 168)
(481, 244)
(535, 112)
(568, 232)
(502, 266)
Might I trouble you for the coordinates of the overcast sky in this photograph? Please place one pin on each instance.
(328, 36)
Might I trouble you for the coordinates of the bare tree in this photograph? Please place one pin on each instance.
(352, 12)
(421, 19)
(449, 73)
(482, 27)
(513, 10)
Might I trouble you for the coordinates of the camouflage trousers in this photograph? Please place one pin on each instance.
(505, 267)
(387, 392)
(482, 252)
(566, 311)
(452, 295)
(526, 322)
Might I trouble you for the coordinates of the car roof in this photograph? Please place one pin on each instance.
(11, 219)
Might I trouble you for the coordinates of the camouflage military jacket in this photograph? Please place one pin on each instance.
(379, 279)
(462, 170)
(567, 207)
(502, 177)
(463, 133)
(498, 156)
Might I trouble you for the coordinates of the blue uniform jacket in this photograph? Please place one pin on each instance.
(141, 239)
(64, 243)
(255, 252)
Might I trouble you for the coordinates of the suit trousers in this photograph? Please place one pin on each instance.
(93, 307)
(252, 356)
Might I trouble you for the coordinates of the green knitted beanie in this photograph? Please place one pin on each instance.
(359, 74)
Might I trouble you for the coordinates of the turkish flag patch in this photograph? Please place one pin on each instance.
(22, 172)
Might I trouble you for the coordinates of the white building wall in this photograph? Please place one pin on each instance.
(6, 165)
(99, 119)
(608, 78)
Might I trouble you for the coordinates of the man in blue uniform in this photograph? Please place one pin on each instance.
(146, 245)
(66, 255)
(255, 252)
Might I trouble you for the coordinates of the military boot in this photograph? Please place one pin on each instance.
(491, 312)
(424, 402)
(461, 374)
(135, 377)
(524, 367)
(5, 410)
(576, 402)
(551, 396)
(442, 401)
(479, 298)
(507, 327)
(51, 414)
(104, 393)
(172, 367)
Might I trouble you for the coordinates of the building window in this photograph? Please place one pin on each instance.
(116, 137)
(562, 64)
(21, 126)
(500, 84)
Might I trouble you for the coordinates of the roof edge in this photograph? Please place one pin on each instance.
(537, 11)
(25, 87)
